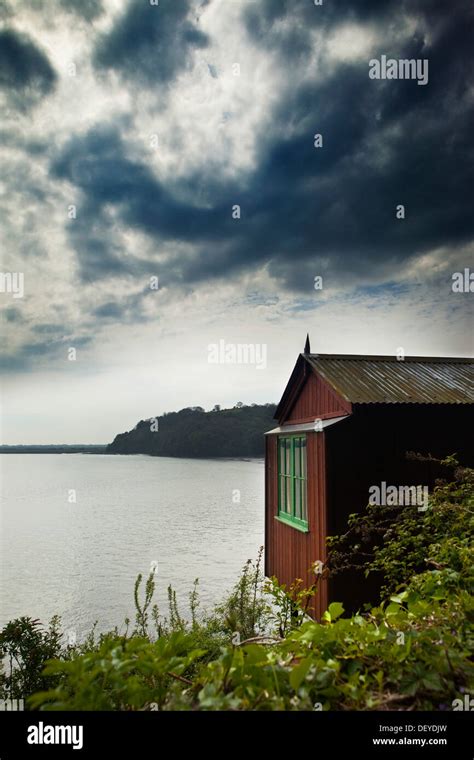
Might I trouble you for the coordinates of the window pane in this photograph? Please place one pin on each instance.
(289, 483)
(297, 457)
(298, 484)
(304, 507)
(282, 494)
(303, 458)
(288, 456)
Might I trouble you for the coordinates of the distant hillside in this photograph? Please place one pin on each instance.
(192, 432)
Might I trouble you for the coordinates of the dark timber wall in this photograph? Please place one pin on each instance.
(370, 447)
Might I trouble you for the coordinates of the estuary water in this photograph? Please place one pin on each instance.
(76, 529)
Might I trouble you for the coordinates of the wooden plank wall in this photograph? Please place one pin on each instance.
(289, 553)
(317, 399)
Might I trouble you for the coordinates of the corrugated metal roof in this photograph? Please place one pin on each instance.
(306, 427)
(384, 379)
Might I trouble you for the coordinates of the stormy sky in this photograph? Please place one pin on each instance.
(177, 141)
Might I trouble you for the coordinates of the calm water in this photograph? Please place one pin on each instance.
(80, 559)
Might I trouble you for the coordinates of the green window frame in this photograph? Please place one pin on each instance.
(293, 481)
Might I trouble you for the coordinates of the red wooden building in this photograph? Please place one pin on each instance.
(345, 424)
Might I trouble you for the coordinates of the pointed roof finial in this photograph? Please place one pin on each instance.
(307, 349)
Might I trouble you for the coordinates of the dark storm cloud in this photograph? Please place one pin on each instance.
(54, 349)
(47, 328)
(5, 10)
(109, 310)
(151, 43)
(127, 310)
(307, 205)
(12, 139)
(98, 165)
(385, 143)
(25, 71)
(88, 9)
(13, 315)
(287, 25)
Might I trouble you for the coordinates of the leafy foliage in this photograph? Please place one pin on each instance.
(409, 654)
(26, 647)
(122, 674)
(291, 605)
(245, 611)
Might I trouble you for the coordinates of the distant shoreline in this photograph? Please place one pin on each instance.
(103, 450)
(54, 449)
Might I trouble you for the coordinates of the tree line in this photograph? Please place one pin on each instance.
(193, 432)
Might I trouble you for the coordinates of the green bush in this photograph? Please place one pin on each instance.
(25, 647)
(122, 674)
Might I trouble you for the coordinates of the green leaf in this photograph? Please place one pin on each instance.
(335, 610)
(392, 609)
(399, 598)
(298, 674)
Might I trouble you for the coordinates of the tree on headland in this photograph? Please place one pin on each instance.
(192, 432)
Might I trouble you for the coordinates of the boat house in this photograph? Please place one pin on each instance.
(345, 424)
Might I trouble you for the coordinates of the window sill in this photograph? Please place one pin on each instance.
(293, 523)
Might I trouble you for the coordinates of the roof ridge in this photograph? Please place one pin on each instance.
(393, 358)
